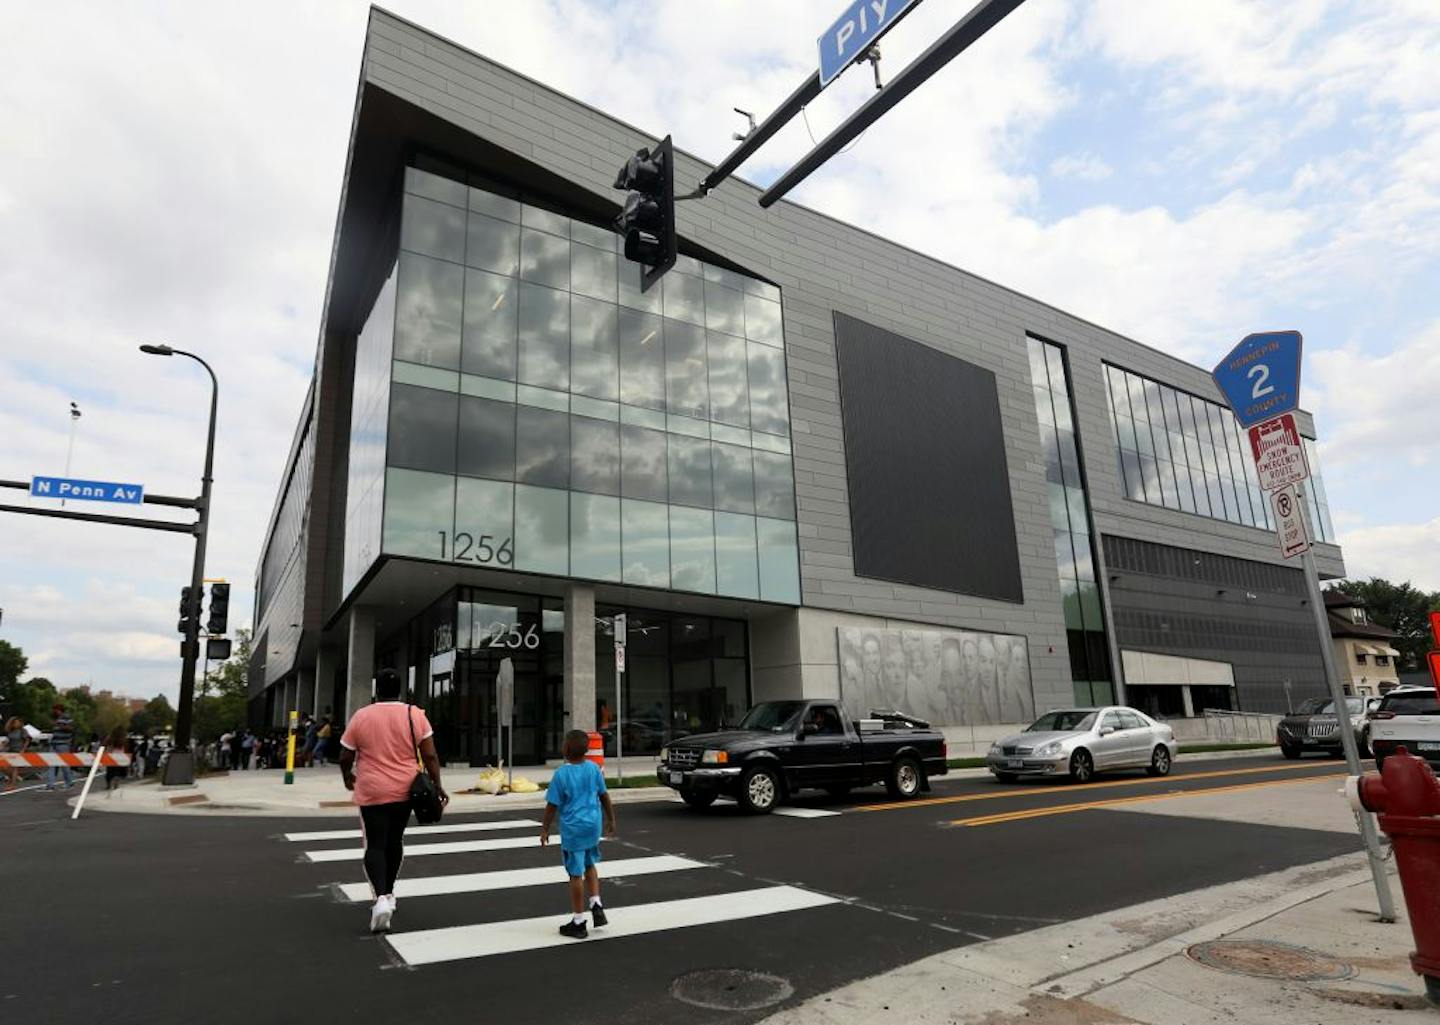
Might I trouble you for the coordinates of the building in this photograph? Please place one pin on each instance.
(811, 462)
(1364, 652)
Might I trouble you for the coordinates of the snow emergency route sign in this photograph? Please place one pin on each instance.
(1279, 452)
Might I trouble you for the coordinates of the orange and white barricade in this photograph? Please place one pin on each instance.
(54, 759)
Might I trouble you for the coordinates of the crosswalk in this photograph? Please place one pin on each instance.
(504, 873)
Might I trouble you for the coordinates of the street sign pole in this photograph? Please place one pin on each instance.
(620, 628)
(1365, 820)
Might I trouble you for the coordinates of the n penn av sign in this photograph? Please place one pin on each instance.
(86, 490)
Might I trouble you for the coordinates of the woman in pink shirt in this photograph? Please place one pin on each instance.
(377, 760)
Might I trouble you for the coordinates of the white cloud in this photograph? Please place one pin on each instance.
(1084, 166)
(1406, 551)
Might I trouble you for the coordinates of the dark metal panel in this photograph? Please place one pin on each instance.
(925, 452)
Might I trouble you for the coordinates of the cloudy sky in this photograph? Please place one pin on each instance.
(1182, 173)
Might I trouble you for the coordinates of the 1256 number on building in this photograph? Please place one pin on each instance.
(486, 549)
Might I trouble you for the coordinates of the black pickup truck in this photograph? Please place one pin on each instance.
(784, 746)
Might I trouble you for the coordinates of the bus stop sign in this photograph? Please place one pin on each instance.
(1261, 376)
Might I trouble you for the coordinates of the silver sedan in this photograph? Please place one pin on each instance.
(1080, 742)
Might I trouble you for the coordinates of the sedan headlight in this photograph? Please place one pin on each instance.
(664, 754)
(1049, 750)
(715, 757)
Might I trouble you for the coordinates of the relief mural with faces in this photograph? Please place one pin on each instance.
(948, 677)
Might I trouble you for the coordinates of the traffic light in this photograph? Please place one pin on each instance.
(219, 609)
(189, 610)
(648, 218)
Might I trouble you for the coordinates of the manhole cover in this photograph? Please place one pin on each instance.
(730, 989)
(1268, 960)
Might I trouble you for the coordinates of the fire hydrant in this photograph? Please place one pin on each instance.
(1406, 796)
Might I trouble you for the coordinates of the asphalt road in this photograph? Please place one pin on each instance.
(131, 918)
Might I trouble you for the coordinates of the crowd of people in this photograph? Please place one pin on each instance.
(244, 749)
(21, 737)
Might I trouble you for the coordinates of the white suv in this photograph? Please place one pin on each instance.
(1408, 716)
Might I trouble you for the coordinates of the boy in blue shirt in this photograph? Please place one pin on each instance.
(577, 792)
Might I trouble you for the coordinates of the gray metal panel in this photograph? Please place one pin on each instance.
(925, 453)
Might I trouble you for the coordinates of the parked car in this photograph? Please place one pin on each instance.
(1314, 726)
(1080, 742)
(781, 747)
(1408, 716)
(1363, 737)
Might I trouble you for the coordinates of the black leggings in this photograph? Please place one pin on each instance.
(384, 826)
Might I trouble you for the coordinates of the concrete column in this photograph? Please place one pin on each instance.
(1189, 701)
(305, 693)
(579, 657)
(327, 661)
(360, 677)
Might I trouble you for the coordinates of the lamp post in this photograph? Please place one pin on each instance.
(180, 767)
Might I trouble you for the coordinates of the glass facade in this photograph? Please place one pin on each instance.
(369, 409)
(684, 674)
(1183, 452)
(544, 415)
(1070, 519)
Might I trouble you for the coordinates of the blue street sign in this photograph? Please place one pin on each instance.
(863, 22)
(88, 490)
(1261, 376)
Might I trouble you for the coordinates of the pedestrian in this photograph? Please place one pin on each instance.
(224, 751)
(378, 756)
(17, 742)
(237, 752)
(307, 750)
(62, 739)
(577, 794)
(247, 751)
(115, 745)
(322, 741)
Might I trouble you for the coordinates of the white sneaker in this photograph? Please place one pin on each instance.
(380, 914)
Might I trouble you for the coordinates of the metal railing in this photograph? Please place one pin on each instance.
(1223, 724)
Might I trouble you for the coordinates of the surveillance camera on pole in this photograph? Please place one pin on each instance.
(648, 220)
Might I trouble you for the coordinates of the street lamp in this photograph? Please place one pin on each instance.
(180, 767)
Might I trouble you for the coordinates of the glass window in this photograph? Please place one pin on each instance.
(422, 428)
(544, 337)
(595, 537)
(492, 245)
(692, 550)
(488, 348)
(737, 567)
(690, 482)
(729, 372)
(545, 220)
(434, 186)
(643, 464)
(724, 309)
(645, 543)
(592, 273)
(542, 447)
(684, 297)
(419, 507)
(642, 360)
(774, 486)
(769, 403)
(489, 202)
(427, 311)
(431, 228)
(595, 456)
(425, 377)
(591, 235)
(686, 389)
(630, 294)
(762, 321)
(735, 478)
(484, 523)
(487, 438)
(544, 259)
(779, 566)
(542, 529)
(594, 349)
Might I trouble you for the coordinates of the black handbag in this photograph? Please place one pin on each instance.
(424, 794)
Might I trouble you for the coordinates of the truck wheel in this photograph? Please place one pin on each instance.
(1082, 766)
(905, 779)
(699, 799)
(759, 790)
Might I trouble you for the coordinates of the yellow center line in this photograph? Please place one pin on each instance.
(1027, 791)
(1062, 809)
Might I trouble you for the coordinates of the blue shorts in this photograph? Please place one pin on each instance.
(576, 862)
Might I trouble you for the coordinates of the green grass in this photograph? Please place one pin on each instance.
(966, 763)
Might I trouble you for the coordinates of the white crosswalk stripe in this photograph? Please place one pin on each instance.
(430, 946)
(476, 882)
(420, 850)
(804, 813)
(453, 827)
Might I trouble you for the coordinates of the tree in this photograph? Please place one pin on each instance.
(156, 717)
(111, 713)
(80, 704)
(224, 693)
(1401, 607)
(13, 664)
(31, 701)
